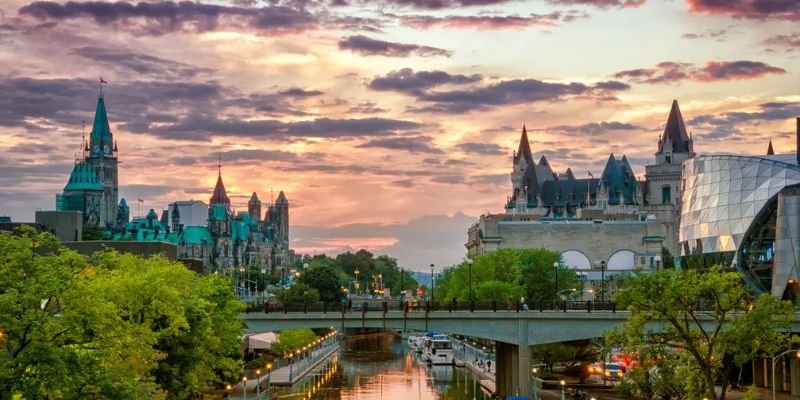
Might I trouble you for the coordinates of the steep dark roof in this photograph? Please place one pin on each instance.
(220, 195)
(770, 151)
(524, 149)
(254, 199)
(281, 198)
(675, 130)
(101, 131)
(619, 178)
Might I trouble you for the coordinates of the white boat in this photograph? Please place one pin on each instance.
(415, 343)
(438, 350)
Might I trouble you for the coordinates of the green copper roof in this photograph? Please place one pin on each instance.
(218, 212)
(101, 131)
(123, 204)
(241, 231)
(196, 235)
(83, 177)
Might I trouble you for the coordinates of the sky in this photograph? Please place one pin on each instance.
(389, 124)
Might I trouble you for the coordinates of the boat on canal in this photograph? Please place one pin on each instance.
(438, 349)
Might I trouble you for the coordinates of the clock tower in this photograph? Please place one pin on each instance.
(102, 157)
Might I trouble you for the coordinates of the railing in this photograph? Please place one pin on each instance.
(405, 306)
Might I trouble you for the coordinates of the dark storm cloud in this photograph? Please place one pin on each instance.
(408, 81)
(490, 22)
(674, 72)
(723, 125)
(122, 59)
(749, 9)
(163, 17)
(487, 149)
(411, 144)
(373, 47)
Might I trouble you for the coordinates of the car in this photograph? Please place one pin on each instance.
(607, 370)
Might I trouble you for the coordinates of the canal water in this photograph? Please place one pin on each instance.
(390, 375)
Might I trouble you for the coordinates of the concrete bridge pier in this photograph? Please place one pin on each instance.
(512, 373)
(513, 369)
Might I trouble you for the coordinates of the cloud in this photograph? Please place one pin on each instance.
(789, 41)
(510, 92)
(600, 3)
(366, 107)
(718, 34)
(727, 124)
(437, 239)
(493, 179)
(408, 81)
(674, 72)
(593, 128)
(299, 92)
(440, 4)
(126, 60)
(486, 149)
(489, 22)
(412, 144)
(163, 17)
(374, 47)
(749, 9)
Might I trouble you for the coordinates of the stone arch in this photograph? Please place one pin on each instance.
(621, 260)
(576, 259)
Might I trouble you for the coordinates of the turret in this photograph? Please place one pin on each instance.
(254, 208)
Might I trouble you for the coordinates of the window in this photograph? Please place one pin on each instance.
(669, 159)
(666, 195)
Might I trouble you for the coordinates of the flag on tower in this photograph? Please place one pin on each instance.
(141, 201)
(102, 81)
(590, 174)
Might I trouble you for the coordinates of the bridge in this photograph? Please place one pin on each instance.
(514, 331)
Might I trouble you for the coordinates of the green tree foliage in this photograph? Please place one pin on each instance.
(293, 339)
(370, 269)
(708, 323)
(505, 276)
(92, 232)
(113, 326)
(324, 280)
(298, 294)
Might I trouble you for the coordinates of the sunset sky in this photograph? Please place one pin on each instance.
(389, 124)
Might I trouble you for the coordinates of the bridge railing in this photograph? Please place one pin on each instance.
(358, 306)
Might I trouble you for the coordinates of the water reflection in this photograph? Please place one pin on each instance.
(390, 375)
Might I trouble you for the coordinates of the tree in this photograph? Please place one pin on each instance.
(325, 281)
(298, 295)
(538, 275)
(111, 326)
(293, 339)
(708, 321)
(92, 232)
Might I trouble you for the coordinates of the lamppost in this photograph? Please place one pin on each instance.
(433, 285)
(402, 291)
(775, 361)
(258, 383)
(269, 376)
(657, 259)
(469, 264)
(244, 387)
(603, 280)
(535, 386)
(555, 270)
(356, 272)
(563, 385)
(582, 279)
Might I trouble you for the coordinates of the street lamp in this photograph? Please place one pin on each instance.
(258, 383)
(563, 386)
(603, 280)
(555, 270)
(469, 263)
(269, 376)
(356, 272)
(658, 262)
(535, 386)
(433, 284)
(244, 387)
(582, 279)
(775, 361)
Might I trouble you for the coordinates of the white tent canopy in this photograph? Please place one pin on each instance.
(262, 341)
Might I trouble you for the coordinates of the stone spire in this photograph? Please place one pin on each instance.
(675, 133)
(254, 208)
(220, 196)
(770, 151)
(101, 131)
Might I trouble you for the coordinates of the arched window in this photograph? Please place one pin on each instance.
(621, 260)
(576, 259)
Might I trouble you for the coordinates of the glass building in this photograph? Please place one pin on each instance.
(743, 212)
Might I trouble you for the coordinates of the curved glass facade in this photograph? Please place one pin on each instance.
(729, 207)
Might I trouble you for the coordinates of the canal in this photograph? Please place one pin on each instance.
(388, 374)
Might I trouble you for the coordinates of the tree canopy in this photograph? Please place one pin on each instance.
(111, 325)
(708, 321)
